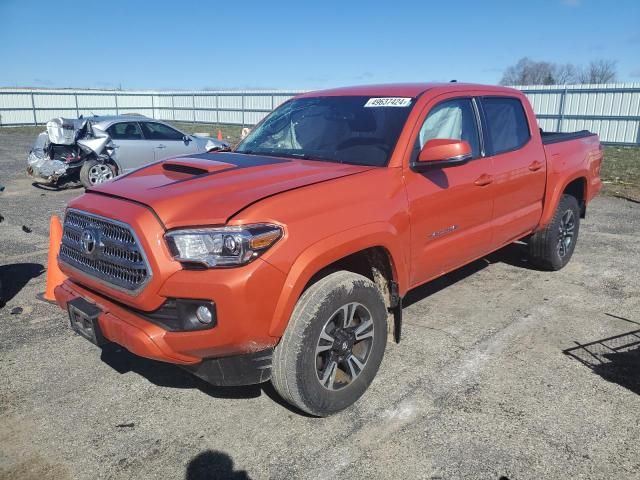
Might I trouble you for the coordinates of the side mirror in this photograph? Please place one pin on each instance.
(186, 139)
(442, 152)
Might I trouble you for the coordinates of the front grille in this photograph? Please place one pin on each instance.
(104, 249)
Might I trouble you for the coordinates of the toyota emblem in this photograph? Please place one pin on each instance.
(88, 242)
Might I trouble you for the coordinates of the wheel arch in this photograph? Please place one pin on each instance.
(377, 256)
(578, 188)
(575, 185)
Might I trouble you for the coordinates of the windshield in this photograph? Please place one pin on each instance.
(356, 130)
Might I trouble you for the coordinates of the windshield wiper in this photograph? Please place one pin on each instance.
(306, 156)
(302, 156)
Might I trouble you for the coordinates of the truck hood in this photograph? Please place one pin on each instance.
(210, 188)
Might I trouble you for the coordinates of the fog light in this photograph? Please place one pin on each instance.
(204, 315)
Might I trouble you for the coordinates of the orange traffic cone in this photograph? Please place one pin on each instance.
(54, 275)
(219, 134)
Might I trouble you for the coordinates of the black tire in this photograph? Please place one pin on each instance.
(552, 247)
(297, 365)
(94, 172)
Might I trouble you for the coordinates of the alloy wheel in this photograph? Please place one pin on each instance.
(344, 346)
(567, 228)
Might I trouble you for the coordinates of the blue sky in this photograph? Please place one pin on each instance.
(192, 45)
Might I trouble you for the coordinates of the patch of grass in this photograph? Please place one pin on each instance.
(230, 133)
(621, 172)
(34, 130)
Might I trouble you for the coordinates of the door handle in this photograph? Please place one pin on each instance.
(483, 180)
(161, 146)
(535, 166)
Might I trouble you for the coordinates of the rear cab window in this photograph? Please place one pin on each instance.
(507, 124)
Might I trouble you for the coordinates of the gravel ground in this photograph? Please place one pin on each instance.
(492, 378)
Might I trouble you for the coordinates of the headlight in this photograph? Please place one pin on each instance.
(224, 246)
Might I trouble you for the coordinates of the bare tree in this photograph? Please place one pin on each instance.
(599, 71)
(531, 72)
(565, 74)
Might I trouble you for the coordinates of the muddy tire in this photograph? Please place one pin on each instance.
(333, 346)
(552, 248)
(94, 172)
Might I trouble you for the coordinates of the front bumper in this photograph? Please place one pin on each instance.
(244, 302)
(119, 325)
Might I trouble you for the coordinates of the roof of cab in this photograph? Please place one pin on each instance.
(403, 89)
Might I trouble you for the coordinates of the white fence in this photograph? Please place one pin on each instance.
(611, 110)
(31, 107)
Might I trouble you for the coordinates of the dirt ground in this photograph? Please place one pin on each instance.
(503, 372)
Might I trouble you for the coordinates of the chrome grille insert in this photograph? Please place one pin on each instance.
(105, 249)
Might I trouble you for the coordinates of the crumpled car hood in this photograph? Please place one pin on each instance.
(210, 188)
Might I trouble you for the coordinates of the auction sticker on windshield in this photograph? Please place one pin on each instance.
(388, 102)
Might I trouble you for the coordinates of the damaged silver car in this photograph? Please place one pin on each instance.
(96, 149)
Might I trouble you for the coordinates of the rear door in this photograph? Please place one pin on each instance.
(450, 208)
(519, 168)
(131, 149)
(167, 142)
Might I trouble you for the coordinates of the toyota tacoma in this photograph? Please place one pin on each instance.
(287, 259)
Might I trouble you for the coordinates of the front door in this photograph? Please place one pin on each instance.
(167, 142)
(450, 208)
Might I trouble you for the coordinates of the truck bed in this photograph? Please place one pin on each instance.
(555, 137)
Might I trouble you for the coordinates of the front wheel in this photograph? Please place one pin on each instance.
(94, 172)
(333, 346)
(552, 247)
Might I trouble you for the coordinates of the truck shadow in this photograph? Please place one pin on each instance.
(514, 254)
(615, 359)
(14, 277)
(169, 375)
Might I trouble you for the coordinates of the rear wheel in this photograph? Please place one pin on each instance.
(552, 247)
(94, 172)
(333, 346)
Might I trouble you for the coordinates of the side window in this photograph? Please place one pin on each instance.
(125, 131)
(454, 119)
(158, 131)
(507, 125)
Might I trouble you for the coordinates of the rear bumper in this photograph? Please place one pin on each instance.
(46, 170)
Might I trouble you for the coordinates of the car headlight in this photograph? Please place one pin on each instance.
(223, 246)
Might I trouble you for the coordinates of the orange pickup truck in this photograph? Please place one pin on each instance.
(287, 258)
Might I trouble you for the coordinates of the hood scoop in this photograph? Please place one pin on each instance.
(182, 168)
(194, 166)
